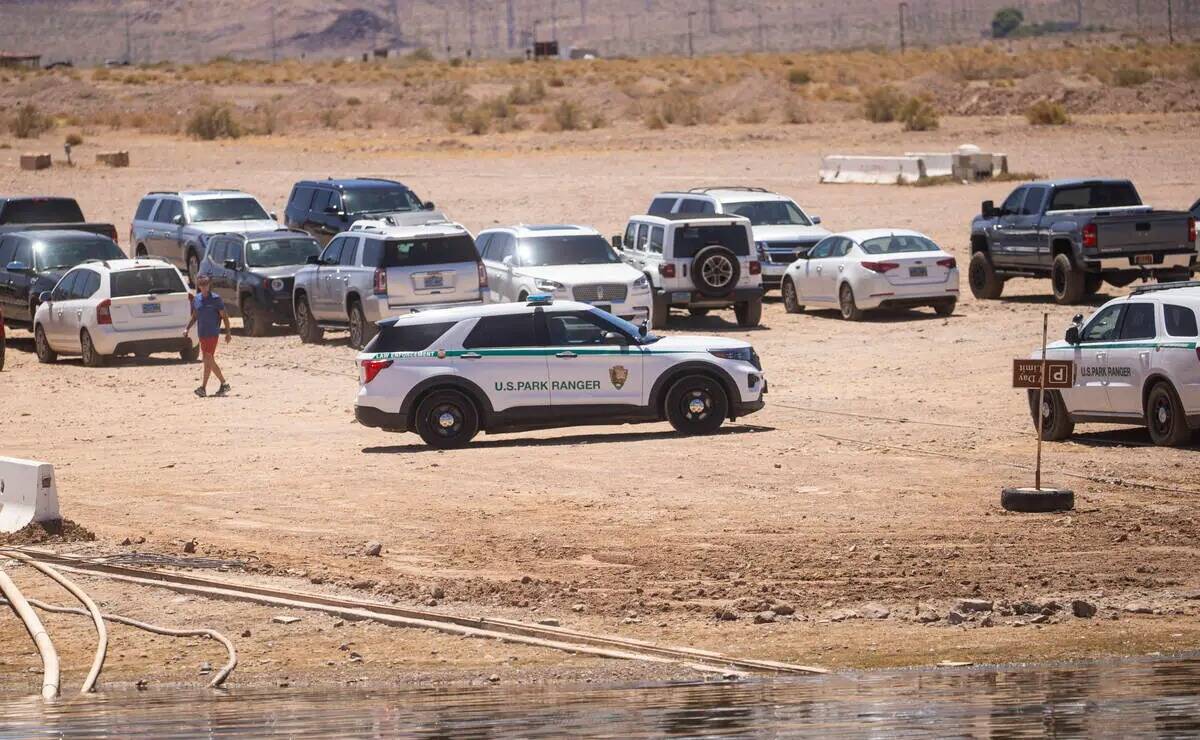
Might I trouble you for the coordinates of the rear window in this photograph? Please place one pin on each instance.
(42, 211)
(691, 239)
(1095, 195)
(1180, 321)
(146, 281)
(443, 250)
(661, 206)
(59, 255)
(405, 337)
(898, 244)
(226, 209)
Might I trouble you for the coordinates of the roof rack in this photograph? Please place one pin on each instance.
(203, 190)
(747, 188)
(1166, 286)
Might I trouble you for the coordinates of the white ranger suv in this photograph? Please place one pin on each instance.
(448, 374)
(573, 262)
(378, 270)
(115, 307)
(1137, 361)
(783, 232)
(698, 263)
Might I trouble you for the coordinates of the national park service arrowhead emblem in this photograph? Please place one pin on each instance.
(618, 374)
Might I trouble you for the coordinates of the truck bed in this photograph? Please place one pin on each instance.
(108, 230)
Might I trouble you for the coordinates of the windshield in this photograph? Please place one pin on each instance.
(60, 255)
(541, 251)
(42, 211)
(280, 252)
(629, 328)
(770, 213)
(1095, 195)
(381, 200)
(145, 281)
(226, 209)
(898, 244)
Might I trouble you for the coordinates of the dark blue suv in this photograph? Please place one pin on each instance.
(325, 208)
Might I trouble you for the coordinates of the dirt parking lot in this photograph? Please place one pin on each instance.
(864, 498)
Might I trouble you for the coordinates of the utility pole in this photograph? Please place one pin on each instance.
(1170, 22)
(470, 27)
(274, 38)
(903, 43)
(691, 48)
(554, 20)
(128, 40)
(762, 39)
(1079, 13)
(583, 13)
(712, 17)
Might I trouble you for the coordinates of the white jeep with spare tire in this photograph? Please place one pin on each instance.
(697, 263)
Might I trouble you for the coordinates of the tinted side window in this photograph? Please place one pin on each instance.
(407, 337)
(693, 205)
(481, 243)
(642, 236)
(349, 252)
(1103, 327)
(301, 199)
(320, 201)
(66, 286)
(79, 288)
(88, 288)
(577, 327)
(1033, 202)
(1139, 322)
(24, 254)
(1180, 321)
(333, 251)
(216, 252)
(8, 248)
(167, 211)
(656, 240)
(661, 206)
(1013, 203)
(823, 249)
(144, 209)
(233, 250)
(512, 330)
(372, 255)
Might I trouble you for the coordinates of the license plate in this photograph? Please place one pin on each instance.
(606, 307)
(918, 272)
(151, 308)
(1143, 259)
(680, 297)
(433, 281)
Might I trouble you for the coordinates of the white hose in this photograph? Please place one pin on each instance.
(89, 683)
(50, 673)
(216, 681)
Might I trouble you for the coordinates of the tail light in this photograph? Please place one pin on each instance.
(1191, 229)
(667, 270)
(380, 281)
(112, 232)
(1090, 237)
(104, 312)
(949, 263)
(371, 368)
(482, 275)
(880, 267)
(755, 267)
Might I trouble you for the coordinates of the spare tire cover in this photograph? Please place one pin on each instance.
(715, 270)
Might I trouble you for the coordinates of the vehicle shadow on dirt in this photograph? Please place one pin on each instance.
(1130, 437)
(1092, 301)
(881, 315)
(571, 439)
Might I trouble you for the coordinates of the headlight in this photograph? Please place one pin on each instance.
(762, 249)
(548, 285)
(641, 283)
(745, 354)
(277, 285)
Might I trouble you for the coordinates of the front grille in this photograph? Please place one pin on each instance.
(785, 253)
(601, 292)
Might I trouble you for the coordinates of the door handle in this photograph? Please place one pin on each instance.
(567, 354)
(818, 269)
(472, 356)
(841, 268)
(1145, 358)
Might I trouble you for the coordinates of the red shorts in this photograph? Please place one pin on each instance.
(208, 345)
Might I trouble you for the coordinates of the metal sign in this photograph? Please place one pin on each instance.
(1028, 373)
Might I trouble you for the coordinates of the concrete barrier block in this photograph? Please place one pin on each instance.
(35, 161)
(28, 493)
(839, 168)
(113, 159)
(936, 164)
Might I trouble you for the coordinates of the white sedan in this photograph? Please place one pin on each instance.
(115, 307)
(856, 271)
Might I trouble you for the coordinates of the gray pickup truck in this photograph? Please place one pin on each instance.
(1080, 234)
(47, 213)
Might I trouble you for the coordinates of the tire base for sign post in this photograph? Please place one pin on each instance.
(1037, 500)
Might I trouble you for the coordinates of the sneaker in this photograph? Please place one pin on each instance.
(201, 392)
(223, 390)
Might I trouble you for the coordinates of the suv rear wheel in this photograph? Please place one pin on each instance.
(697, 404)
(1165, 417)
(41, 346)
(791, 299)
(447, 419)
(360, 330)
(91, 357)
(715, 270)
(850, 309)
(306, 323)
(748, 313)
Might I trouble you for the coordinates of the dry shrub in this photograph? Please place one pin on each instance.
(557, 81)
(1193, 70)
(454, 93)
(796, 112)
(1131, 76)
(682, 108)
(73, 139)
(799, 77)
(533, 91)
(213, 121)
(566, 116)
(101, 74)
(883, 104)
(654, 121)
(330, 117)
(30, 123)
(918, 115)
(753, 115)
(1047, 113)
(477, 120)
(353, 100)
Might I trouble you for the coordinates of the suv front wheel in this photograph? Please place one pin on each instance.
(697, 404)
(306, 323)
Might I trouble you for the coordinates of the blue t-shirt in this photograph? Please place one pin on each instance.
(208, 314)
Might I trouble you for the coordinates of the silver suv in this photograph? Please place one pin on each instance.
(378, 270)
(699, 263)
(783, 232)
(174, 225)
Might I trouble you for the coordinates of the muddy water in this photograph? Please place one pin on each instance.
(1119, 699)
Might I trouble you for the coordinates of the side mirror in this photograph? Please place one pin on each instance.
(617, 242)
(331, 210)
(428, 205)
(642, 329)
(17, 267)
(988, 209)
(1072, 335)
(44, 297)
(612, 337)
(816, 220)
(177, 219)
(313, 259)
(274, 216)
(230, 264)
(507, 261)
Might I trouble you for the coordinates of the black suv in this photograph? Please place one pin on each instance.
(325, 208)
(253, 273)
(32, 262)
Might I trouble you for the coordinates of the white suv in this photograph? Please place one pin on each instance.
(783, 232)
(564, 262)
(698, 263)
(115, 307)
(1137, 361)
(448, 374)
